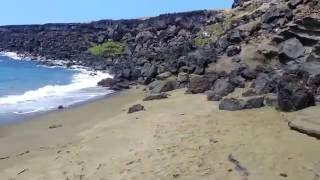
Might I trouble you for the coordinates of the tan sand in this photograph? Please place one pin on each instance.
(183, 137)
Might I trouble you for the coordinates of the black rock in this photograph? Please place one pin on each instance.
(276, 13)
(136, 108)
(236, 59)
(222, 87)
(295, 3)
(233, 50)
(254, 102)
(248, 73)
(234, 36)
(212, 96)
(151, 97)
(149, 70)
(236, 79)
(198, 84)
(263, 84)
(293, 94)
(160, 86)
(114, 84)
(232, 104)
(290, 50)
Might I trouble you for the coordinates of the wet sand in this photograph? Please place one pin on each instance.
(182, 137)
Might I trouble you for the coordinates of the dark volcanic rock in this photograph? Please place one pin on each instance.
(162, 86)
(295, 3)
(248, 73)
(290, 50)
(234, 36)
(114, 84)
(212, 96)
(136, 108)
(293, 95)
(232, 104)
(198, 84)
(263, 84)
(151, 97)
(222, 87)
(233, 50)
(254, 102)
(277, 14)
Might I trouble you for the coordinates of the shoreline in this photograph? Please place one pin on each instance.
(171, 138)
(78, 83)
(43, 114)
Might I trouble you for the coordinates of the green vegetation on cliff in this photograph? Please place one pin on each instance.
(110, 48)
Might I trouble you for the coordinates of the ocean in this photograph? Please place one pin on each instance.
(27, 88)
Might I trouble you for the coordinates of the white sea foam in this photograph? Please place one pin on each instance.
(84, 79)
(83, 88)
(11, 55)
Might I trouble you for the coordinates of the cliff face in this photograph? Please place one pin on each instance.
(159, 38)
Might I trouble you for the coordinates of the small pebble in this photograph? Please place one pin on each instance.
(283, 175)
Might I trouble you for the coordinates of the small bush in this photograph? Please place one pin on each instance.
(201, 41)
(110, 48)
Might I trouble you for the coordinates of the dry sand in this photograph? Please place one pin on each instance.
(183, 137)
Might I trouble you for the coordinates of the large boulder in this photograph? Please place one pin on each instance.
(198, 84)
(114, 84)
(149, 70)
(223, 87)
(263, 84)
(234, 36)
(275, 14)
(290, 49)
(295, 3)
(232, 104)
(160, 86)
(293, 94)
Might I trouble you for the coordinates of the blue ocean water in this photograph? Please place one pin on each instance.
(27, 88)
(17, 77)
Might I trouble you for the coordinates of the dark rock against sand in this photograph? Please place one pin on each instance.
(232, 104)
(198, 84)
(293, 93)
(136, 108)
(151, 97)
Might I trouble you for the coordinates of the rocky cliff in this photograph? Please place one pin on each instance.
(268, 48)
(159, 39)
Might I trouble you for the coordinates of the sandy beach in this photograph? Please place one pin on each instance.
(172, 139)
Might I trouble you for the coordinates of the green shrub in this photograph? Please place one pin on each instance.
(110, 48)
(201, 41)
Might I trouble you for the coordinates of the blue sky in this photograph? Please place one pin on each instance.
(48, 11)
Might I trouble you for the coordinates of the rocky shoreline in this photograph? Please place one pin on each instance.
(268, 48)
